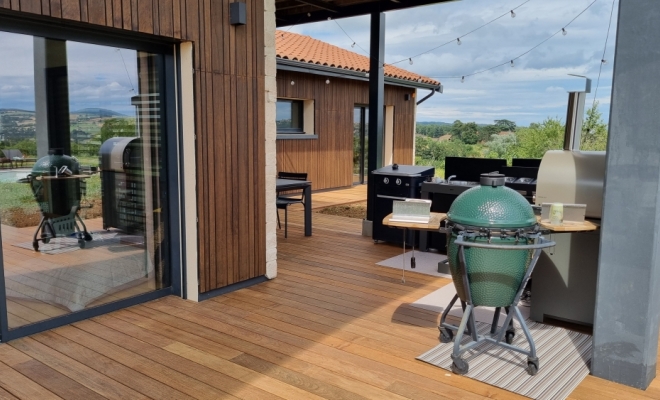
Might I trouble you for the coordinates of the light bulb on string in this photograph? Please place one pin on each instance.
(458, 41)
(462, 79)
(563, 32)
(410, 61)
(329, 18)
(353, 45)
(513, 15)
(512, 63)
(309, 14)
(604, 61)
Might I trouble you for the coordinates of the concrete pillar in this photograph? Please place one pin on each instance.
(51, 93)
(628, 294)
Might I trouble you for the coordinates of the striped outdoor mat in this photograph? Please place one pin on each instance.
(564, 358)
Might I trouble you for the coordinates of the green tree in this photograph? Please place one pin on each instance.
(594, 130)
(469, 133)
(534, 141)
(502, 146)
(505, 125)
(117, 127)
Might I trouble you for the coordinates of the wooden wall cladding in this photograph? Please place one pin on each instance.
(328, 160)
(230, 117)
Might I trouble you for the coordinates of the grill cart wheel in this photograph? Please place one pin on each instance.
(459, 366)
(446, 335)
(533, 366)
(35, 245)
(88, 237)
(509, 337)
(81, 243)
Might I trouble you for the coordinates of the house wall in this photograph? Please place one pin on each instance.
(328, 160)
(230, 106)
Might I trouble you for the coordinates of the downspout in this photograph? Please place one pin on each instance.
(428, 96)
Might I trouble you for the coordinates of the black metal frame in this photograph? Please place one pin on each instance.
(173, 219)
(300, 121)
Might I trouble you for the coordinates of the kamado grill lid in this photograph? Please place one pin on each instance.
(492, 205)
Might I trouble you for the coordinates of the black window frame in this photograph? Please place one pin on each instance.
(20, 23)
(301, 118)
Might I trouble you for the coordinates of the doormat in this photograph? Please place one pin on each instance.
(66, 244)
(564, 360)
(425, 263)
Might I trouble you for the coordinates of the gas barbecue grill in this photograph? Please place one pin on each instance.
(58, 189)
(493, 246)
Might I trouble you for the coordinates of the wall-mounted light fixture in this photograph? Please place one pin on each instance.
(293, 83)
(327, 81)
(406, 97)
(237, 13)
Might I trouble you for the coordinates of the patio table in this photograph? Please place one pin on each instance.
(283, 185)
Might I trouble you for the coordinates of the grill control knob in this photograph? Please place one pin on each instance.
(398, 181)
(386, 180)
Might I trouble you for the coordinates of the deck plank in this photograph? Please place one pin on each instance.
(332, 325)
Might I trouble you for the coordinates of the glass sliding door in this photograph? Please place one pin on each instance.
(83, 212)
(360, 144)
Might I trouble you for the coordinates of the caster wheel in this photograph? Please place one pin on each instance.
(35, 245)
(533, 367)
(81, 243)
(87, 237)
(509, 337)
(459, 366)
(446, 335)
(46, 240)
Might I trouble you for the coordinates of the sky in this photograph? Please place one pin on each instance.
(534, 89)
(99, 76)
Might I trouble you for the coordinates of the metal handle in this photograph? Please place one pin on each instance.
(541, 244)
(382, 196)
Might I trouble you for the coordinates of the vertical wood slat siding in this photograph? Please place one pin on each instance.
(229, 117)
(328, 160)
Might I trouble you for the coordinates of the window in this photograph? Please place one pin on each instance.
(289, 116)
(83, 178)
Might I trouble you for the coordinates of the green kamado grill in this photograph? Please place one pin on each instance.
(493, 245)
(58, 189)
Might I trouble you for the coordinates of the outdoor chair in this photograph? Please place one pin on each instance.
(291, 197)
(14, 156)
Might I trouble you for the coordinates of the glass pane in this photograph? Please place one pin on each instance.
(366, 144)
(81, 196)
(289, 115)
(357, 148)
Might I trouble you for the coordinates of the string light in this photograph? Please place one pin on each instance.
(410, 61)
(458, 40)
(353, 45)
(309, 14)
(354, 42)
(603, 61)
(329, 18)
(513, 15)
(563, 32)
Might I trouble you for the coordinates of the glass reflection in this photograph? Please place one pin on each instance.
(81, 180)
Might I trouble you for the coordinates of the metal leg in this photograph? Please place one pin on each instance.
(277, 211)
(403, 262)
(461, 329)
(496, 318)
(286, 221)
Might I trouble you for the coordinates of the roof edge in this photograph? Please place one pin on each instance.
(316, 69)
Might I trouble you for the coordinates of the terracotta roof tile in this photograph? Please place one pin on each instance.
(295, 47)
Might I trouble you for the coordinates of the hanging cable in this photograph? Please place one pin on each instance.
(458, 39)
(126, 69)
(602, 59)
(349, 36)
(510, 62)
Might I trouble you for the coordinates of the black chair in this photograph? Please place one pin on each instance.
(291, 197)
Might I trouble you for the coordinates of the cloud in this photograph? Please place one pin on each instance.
(529, 92)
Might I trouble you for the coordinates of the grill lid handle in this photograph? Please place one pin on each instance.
(493, 179)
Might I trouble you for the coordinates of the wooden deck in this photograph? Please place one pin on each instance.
(332, 325)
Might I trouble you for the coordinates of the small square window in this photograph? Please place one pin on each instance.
(289, 116)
